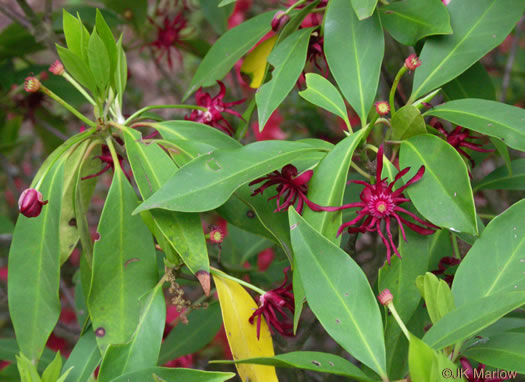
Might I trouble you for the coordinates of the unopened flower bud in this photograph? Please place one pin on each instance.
(57, 68)
(385, 297)
(31, 85)
(30, 203)
(412, 62)
(279, 20)
(382, 108)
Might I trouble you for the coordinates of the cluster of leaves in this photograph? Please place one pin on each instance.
(194, 170)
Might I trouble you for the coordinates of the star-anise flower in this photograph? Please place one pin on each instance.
(275, 302)
(107, 159)
(169, 36)
(445, 263)
(291, 188)
(215, 107)
(379, 202)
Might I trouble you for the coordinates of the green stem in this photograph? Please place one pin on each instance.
(114, 156)
(79, 88)
(400, 322)
(151, 107)
(384, 121)
(455, 245)
(371, 147)
(74, 111)
(487, 216)
(360, 170)
(215, 271)
(295, 5)
(391, 99)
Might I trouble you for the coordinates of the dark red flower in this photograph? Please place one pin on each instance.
(458, 139)
(106, 158)
(379, 202)
(291, 187)
(273, 302)
(215, 107)
(30, 203)
(445, 263)
(169, 36)
(412, 62)
(315, 53)
(478, 374)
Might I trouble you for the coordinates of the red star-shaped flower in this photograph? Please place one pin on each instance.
(169, 36)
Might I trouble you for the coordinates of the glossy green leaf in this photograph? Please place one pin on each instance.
(407, 122)
(72, 32)
(34, 270)
(226, 2)
(99, 62)
(505, 351)
(203, 325)
(299, 297)
(420, 358)
(216, 14)
(288, 60)
(296, 20)
(500, 247)
(78, 69)
(445, 182)
(475, 82)
(310, 360)
(339, 294)
(52, 371)
(84, 358)
(27, 369)
(121, 72)
(471, 317)
(228, 49)
(156, 374)
(503, 151)
(124, 266)
(479, 26)
(486, 117)
(500, 179)
(354, 51)
(328, 184)
(133, 356)
(364, 8)
(411, 20)
(209, 180)
(107, 38)
(437, 295)
(320, 92)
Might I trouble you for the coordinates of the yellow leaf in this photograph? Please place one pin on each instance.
(237, 306)
(254, 64)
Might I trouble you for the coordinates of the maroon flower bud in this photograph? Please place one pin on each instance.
(30, 203)
(31, 85)
(382, 108)
(385, 297)
(57, 68)
(279, 20)
(412, 62)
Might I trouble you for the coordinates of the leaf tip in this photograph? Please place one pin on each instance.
(204, 280)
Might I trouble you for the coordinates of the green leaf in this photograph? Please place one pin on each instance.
(354, 51)
(226, 2)
(78, 69)
(327, 186)
(99, 62)
(339, 294)
(107, 38)
(124, 266)
(407, 122)
(27, 369)
(203, 325)
(156, 374)
(288, 60)
(310, 360)
(121, 72)
(84, 358)
(472, 317)
(475, 82)
(364, 8)
(479, 26)
(437, 295)
(411, 20)
(133, 356)
(216, 14)
(72, 32)
(420, 357)
(209, 180)
(500, 179)
(505, 351)
(445, 182)
(228, 49)
(52, 371)
(500, 247)
(34, 270)
(486, 117)
(320, 92)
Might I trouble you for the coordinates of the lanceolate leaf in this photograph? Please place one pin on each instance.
(496, 261)
(209, 180)
(339, 294)
(34, 270)
(237, 306)
(228, 49)
(288, 60)
(407, 122)
(77, 68)
(475, 82)
(471, 317)
(479, 26)
(486, 117)
(364, 8)
(83, 359)
(98, 59)
(500, 179)
(443, 195)
(411, 20)
(354, 51)
(155, 374)
(124, 266)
